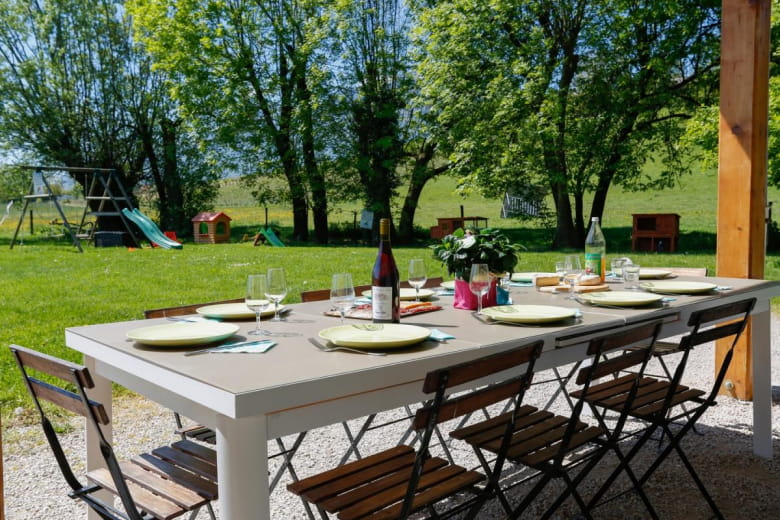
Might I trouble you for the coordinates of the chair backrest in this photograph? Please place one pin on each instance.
(631, 350)
(76, 402)
(720, 322)
(443, 407)
(183, 309)
(317, 295)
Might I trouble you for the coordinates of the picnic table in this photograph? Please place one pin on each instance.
(251, 398)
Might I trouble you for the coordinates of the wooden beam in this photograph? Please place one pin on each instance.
(742, 162)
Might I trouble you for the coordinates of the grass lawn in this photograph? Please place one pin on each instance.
(48, 286)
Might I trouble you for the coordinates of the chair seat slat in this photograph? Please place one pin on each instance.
(144, 499)
(373, 487)
(206, 488)
(166, 488)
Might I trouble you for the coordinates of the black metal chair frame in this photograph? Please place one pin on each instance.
(95, 414)
(585, 455)
(445, 407)
(706, 326)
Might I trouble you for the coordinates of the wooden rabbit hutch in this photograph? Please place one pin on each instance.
(658, 232)
(211, 228)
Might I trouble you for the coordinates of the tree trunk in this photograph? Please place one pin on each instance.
(172, 214)
(421, 174)
(319, 196)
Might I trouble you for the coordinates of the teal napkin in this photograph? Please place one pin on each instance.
(437, 335)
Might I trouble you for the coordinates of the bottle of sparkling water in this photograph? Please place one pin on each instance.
(595, 250)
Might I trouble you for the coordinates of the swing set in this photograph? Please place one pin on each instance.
(104, 189)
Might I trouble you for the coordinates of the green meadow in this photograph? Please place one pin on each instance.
(46, 285)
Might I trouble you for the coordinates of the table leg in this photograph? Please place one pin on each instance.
(761, 353)
(242, 468)
(102, 393)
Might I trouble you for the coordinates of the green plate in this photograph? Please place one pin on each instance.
(449, 285)
(233, 311)
(653, 274)
(529, 313)
(183, 333)
(379, 336)
(620, 298)
(528, 277)
(407, 293)
(675, 287)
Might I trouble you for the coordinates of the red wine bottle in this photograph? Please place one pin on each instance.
(385, 288)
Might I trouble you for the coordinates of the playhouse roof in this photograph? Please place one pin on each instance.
(209, 216)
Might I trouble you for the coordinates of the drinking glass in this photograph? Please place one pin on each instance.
(562, 269)
(574, 273)
(256, 287)
(617, 267)
(277, 289)
(479, 283)
(342, 293)
(417, 276)
(631, 276)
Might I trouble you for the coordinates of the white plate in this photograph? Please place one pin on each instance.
(620, 298)
(407, 293)
(648, 274)
(233, 311)
(449, 285)
(528, 313)
(528, 277)
(390, 335)
(183, 333)
(675, 287)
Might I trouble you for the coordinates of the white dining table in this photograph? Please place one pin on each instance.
(249, 399)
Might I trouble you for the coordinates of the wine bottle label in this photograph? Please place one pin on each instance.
(382, 303)
(593, 263)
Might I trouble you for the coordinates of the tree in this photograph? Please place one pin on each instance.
(243, 73)
(573, 95)
(373, 38)
(78, 92)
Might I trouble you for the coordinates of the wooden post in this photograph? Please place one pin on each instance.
(742, 170)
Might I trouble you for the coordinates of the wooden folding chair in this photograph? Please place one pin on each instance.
(552, 446)
(400, 481)
(204, 434)
(657, 399)
(165, 483)
(355, 437)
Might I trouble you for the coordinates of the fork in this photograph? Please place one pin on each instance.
(337, 347)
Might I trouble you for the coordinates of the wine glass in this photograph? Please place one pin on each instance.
(256, 287)
(342, 293)
(574, 274)
(562, 269)
(277, 289)
(479, 283)
(417, 276)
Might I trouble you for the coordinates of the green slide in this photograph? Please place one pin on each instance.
(272, 238)
(150, 229)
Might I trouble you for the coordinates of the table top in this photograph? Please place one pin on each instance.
(295, 373)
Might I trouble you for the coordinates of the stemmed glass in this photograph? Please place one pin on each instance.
(479, 283)
(277, 289)
(342, 293)
(562, 269)
(417, 276)
(256, 287)
(574, 273)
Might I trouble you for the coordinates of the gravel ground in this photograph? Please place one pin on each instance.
(743, 485)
